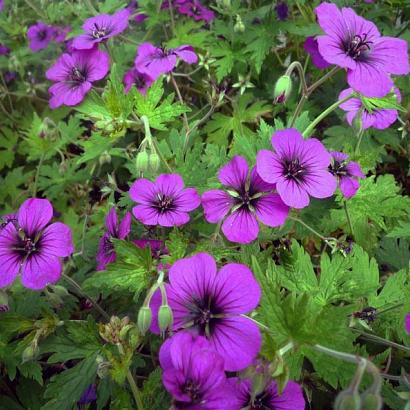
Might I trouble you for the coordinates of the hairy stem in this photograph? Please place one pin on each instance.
(381, 340)
(349, 221)
(181, 100)
(40, 163)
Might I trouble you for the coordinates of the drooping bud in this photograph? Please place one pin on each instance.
(144, 319)
(165, 318)
(30, 353)
(105, 158)
(348, 400)
(239, 27)
(154, 162)
(141, 162)
(371, 401)
(283, 88)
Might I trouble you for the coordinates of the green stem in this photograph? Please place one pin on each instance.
(381, 340)
(40, 13)
(135, 392)
(349, 221)
(261, 325)
(171, 14)
(79, 289)
(286, 348)
(323, 115)
(40, 163)
(357, 149)
(298, 66)
(184, 117)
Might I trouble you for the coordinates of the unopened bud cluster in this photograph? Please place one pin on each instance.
(116, 331)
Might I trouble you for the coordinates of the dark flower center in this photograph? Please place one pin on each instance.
(339, 169)
(107, 245)
(261, 402)
(192, 390)
(293, 169)
(99, 32)
(164, 203)
(204, 314)
(77, 75)
(26, 246)
(41, 35)
(358, 46)
(139, 81)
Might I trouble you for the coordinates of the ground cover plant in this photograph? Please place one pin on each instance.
(204, 205)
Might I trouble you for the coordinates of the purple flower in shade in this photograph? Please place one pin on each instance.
(60, 33)
(10, 76)
(39, 36)
(212, 304)
(1, 5)
(407, 323)
(196, 10)
(248, 199)
(132, 8)
(194, 374)
(298, 167)
(141, 81)
(89, 395)
(311, 47)
(380, 119)
(155, 61)
(164, 202)
(347, 173)
(4, 50)
(106, 253)
(74, 74)
(282, 10)
(290, 399)
(158, 247)
(32, 247)
(354, 43)
(100, 28)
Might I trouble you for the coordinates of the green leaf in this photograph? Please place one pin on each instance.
(66, 388)
(394, 253)
(129, 272)
(8, 140)
(158, 113)
(187, 32)
(400, 231)
(389, 102)
(224, 59)
(154, 396)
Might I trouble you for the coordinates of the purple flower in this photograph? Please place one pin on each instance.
(1, 5)
(194, 374)
(4, 50)
(89, 395)
(60, 33)
(132, 7)
(290, 399)
(155, 61)
(100, 28)
(380, 119)
(354, 43)
(311, 47)
(212, 304)
(74, 74)
(407, 323)
(298, 167)
(282, 10)
(32, 247)
(158, 247)
(39, 36)
(141, 81)
(106, 253)
(195, 9)
(10, 76)
(347, 173)
(248, 199)
(164, 202)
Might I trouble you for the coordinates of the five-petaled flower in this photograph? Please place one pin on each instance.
(193, 372)
(164, 202)
(31, 246)
(106, 253)
(195, 9)
(74, 74)
(354, 43)
(100, 28)
(248, 199)
(39, 35)
(347, 173)
(378, 118)
(155, 61)
(213, 304)
(298, 167)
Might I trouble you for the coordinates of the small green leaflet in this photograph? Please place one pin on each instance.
(389, 102)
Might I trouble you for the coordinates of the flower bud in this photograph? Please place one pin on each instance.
(165, 318)
(154, 162)
(371, 401)
(144, 319)
(30, 353)
(283, 88)
(348, 400)
(239, 27)
(105, 158)
(141, 161)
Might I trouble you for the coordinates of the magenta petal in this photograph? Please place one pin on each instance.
(369, 80)
(348, 186)
(111, 222)
(39, 271)
(331, 50)
(61, 67)
(311, 47)
(63, 94)
(84, 42)
(142, 191)
(321, 184)
(125, 226)
(216, 204)
(169, 184)
(234, 173)
(382, 119)
(57, 240)
(286, 142)
(238, 341)
(354, 169)
(258, 184)
(173, 218)
(268, 166)
(34, 214)
(271, 211)
(241, 226)
(146, 214)
(187, 200)
(96, 61)
(187, 54)
(392, 54)
(236, 289)
(292, 194)
(407, 323)
(9, 260)
(290, 399)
